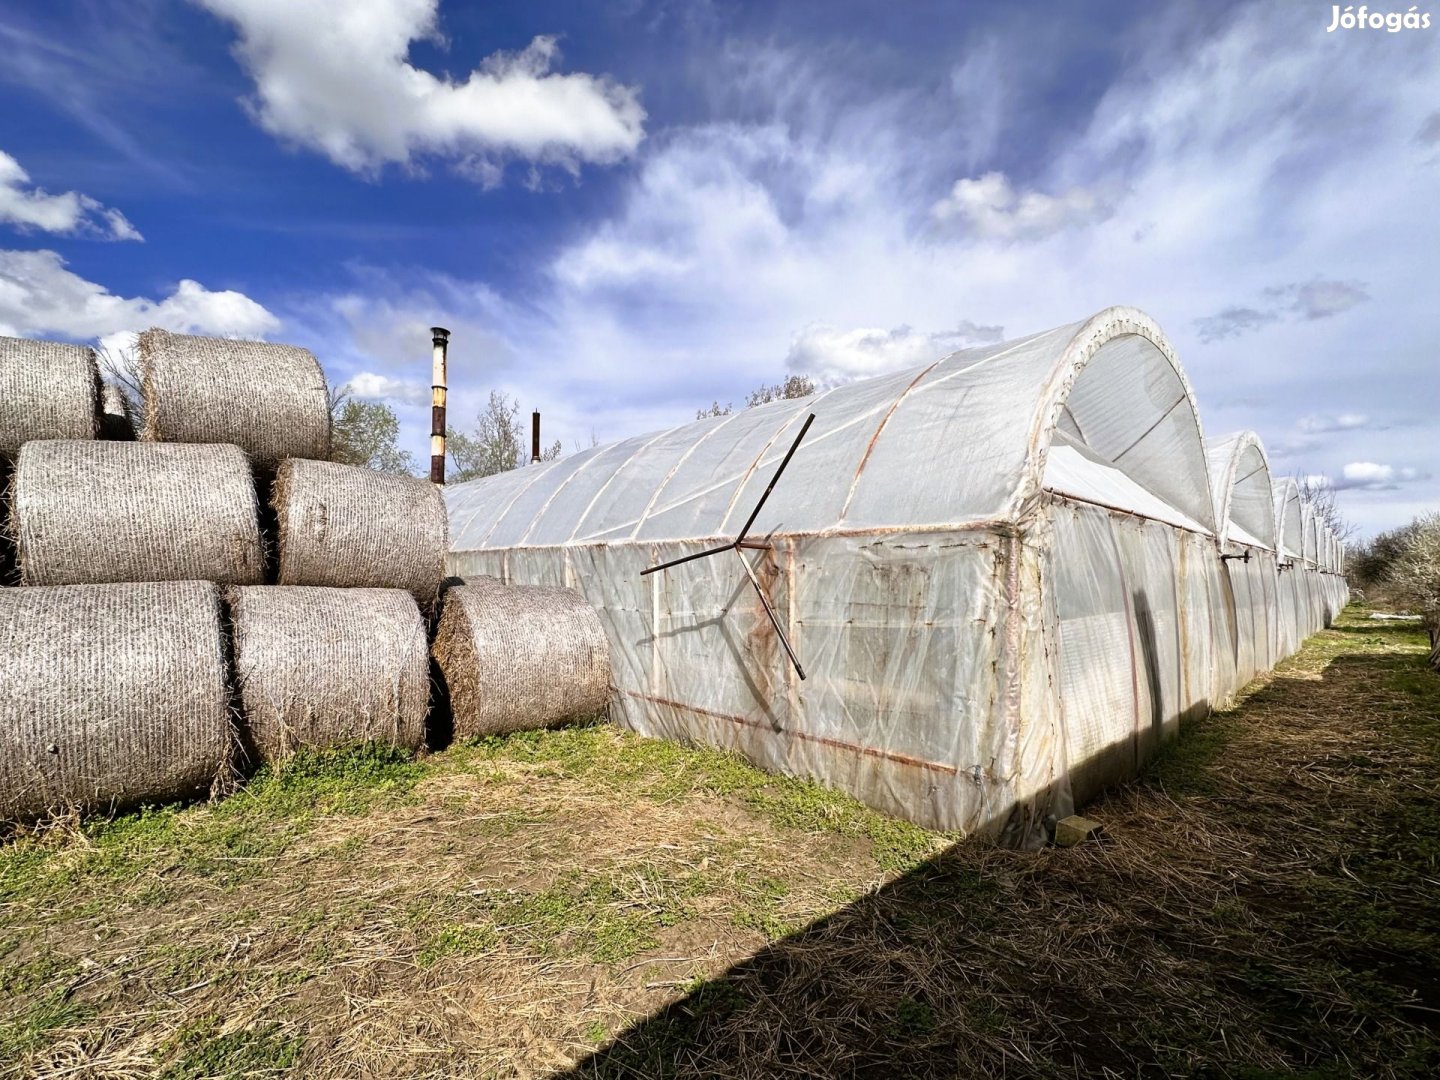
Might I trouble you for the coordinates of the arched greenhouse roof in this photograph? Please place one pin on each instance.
(1311, 523)
(962, 441)
(1244, 496)
(1289, 523)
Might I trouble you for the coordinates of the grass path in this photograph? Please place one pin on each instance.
(1267, 905)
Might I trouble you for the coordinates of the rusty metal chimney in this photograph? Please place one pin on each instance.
(440, 338)
(535, 437)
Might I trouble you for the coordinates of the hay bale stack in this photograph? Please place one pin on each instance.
(270, 400)
(111, 695)
(516, 657)
(325, 667)
(350, 527)
(47, 391)
(90, 512)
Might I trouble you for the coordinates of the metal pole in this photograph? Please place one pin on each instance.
(440, 338)
(535, 437)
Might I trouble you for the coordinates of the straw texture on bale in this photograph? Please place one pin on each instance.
(111, 695)
(270, 400)
(351, 527)
(47, 391)
(517, 657)
(90, 512)
(324, 667)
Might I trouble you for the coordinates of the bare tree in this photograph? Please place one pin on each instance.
(1320, 494)
(121, 367)
(794, 386)
(123, 397)
(495, 444)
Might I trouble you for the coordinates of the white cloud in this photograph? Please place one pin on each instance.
(1371, 476)
(340, 82)
(376, 387)
(830, 355)
(994, 210)
(68, 214)
(40, 297)
(1319, 424)
(797, 226)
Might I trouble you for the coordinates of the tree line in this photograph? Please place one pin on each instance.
(367, 433)
(1401, 569)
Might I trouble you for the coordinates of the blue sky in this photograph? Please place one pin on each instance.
(625, 211)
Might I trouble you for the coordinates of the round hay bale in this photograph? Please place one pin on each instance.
(90, 512)
(269, 400)
(47, 391)
(517, 657)
(324, 667)
(111, 695)
(351, 527)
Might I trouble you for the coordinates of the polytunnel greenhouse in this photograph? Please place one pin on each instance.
(1002, 574)
(1245, 520)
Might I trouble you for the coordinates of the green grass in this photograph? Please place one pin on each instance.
(1282, 892)
(201, 1052)
(666, 771)
(226, 842)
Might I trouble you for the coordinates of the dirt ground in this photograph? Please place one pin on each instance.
(590, 904)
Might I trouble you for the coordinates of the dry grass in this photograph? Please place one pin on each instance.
(1265, 905)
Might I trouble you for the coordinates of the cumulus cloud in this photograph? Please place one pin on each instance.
(69, 213)
(1309, 300)
(993, 209)
(376, 387)
(1371, 476)
(830, 355)
(39, 296)
(343, 84)
(795, 226)
(1320, 424)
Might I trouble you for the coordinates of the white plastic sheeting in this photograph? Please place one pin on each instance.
(1245, 512)
(1000, 571)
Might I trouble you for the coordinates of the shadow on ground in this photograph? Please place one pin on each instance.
(1266, 905)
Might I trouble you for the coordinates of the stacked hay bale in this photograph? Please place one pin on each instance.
(269, 400)
(335, 652)
(330, 533)
(90, 512)
(111, 695)
(48, 390)
(323, 667)
(520, 656)
(217, 595)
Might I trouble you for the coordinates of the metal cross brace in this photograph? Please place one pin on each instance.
(742, 541)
